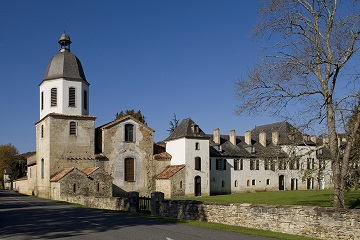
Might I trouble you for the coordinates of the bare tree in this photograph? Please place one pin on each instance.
(308, 71)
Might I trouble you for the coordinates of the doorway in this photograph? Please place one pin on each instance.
(197, 186)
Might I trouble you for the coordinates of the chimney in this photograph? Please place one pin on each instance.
(248, 137)
(325, 139)
(262, 138)
(233, 137)
(275, 137)
(305, 137)
(217, 136)
(313, 138)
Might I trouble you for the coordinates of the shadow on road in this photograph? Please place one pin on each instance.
(38, 218)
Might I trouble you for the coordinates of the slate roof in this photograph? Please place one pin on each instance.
(169, 171)
(186, 130)
(226, 148)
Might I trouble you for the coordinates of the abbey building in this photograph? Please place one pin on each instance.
(75, 158)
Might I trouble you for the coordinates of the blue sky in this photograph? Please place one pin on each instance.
(159, 56)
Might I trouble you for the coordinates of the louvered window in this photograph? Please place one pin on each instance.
(72, 97)
(72, 128)
(129, 170)
(85, 100)
(42, 100)
(54, 97)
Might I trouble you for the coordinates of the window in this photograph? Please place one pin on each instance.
(282, 164)
(129, 170)
(295, 164)
(72, 97)
(198, 163)
(74, 188)
(222, 183)
(181, 184)
(197, 146)
(236, 164)
(29, 172)
(98, 187)
(241, 164)
(42, 168)
(72, 127)
(248, 183)
(322, 164)
(267, 181)
(42, 100)
(236, 183)
(253, 182)
(195, 128)
(254, 164)
(273, 165)
(85, 100)
(220, 164)
(42, 131)
(310, 163)
(54, 97)
(129, 133)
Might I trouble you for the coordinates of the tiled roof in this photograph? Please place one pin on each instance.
(89, 171)
(226, 148)
(62, 174)
(186, 130)
(160, 152)
(170, 171)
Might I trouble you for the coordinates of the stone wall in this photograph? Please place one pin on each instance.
(318, 222)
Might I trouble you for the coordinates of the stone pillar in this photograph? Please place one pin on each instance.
(133, 198)
(156, 197)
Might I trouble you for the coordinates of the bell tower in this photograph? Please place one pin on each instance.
(64, 89)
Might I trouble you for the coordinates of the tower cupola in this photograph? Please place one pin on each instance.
(64, 42)
(64, 89)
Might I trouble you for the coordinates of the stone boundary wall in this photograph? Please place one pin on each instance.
(317, 222)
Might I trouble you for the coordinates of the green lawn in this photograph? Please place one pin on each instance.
(323, 198)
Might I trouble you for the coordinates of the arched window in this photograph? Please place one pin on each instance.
(129, 170)
(53, 97)
(129, 133)
(267, 181)
(253, 182)
(236, 183)
(72, 127)
(248, 183)
(72, 97)
(42, 168)
(198, 163)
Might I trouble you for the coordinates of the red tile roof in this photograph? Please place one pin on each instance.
(170, 171)
(160, 153)
(89, 171)
(62, 174)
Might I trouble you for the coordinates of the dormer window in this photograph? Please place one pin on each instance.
(195, 128)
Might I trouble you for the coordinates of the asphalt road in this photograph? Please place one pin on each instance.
(23, 217)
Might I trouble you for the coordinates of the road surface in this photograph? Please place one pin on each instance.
(24, 217)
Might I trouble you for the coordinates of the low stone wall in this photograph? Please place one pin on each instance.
(317, 222)
(129, 203)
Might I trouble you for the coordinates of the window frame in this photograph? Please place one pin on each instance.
(129, 132)
(73, 128)
(129, 169)
(198, 163)
(72, 97)
(53, 97)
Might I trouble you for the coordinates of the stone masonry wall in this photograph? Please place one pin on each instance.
(318, 222)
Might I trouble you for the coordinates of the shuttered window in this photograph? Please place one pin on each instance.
(72, 97)
(72, 128)
(129, 169)
(54, 97)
